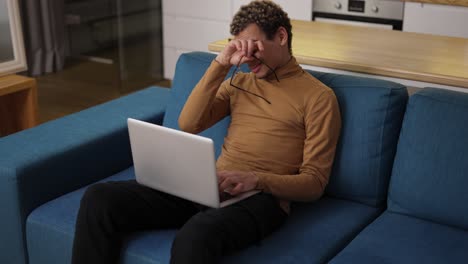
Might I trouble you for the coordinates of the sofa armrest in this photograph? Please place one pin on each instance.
(42, 163)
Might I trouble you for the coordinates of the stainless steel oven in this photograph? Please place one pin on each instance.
(386, 14)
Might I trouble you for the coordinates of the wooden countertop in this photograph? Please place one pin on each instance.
(18, 103)
(442, 2)
(405, 55)
(13, 83)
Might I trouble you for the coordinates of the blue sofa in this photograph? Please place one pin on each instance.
(393, 197)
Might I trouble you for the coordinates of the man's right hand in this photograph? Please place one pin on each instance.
(239, 51)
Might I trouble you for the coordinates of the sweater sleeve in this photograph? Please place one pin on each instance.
(322, 125)
(209, 101)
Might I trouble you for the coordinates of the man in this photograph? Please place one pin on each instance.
(281, 140)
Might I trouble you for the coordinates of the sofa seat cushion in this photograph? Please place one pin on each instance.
(314, 233)
(50, 228)
(397, 238)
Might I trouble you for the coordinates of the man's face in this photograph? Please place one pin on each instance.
(269, 55)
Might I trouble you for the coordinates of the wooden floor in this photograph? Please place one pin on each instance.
(80, 85)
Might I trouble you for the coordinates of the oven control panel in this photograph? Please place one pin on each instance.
(385, 9)
(356, 6)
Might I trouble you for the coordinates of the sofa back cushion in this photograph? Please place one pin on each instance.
(372, 111)
(189, 70)
(430, 174)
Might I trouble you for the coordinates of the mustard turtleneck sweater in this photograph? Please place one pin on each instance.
(289, 144)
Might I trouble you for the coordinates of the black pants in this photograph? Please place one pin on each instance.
(111, 210)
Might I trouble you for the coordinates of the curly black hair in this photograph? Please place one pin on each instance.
(267, 15)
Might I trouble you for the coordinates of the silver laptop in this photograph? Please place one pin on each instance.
(178, 163)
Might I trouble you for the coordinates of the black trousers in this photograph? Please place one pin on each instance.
(110, 211)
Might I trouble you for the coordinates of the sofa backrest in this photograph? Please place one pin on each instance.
(430, 173)
(372, 111)
(189, 70)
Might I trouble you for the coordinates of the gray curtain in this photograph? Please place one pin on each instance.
(44, 34)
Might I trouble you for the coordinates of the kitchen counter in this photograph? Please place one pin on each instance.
(404, 55)
(442, 2)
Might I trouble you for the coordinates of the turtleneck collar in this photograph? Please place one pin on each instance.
(289, 69)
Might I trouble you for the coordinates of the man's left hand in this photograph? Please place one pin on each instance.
(236, 182)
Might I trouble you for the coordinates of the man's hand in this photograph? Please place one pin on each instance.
(235, 182)
(239, 50)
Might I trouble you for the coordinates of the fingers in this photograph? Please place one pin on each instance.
(240, 51)
(227, 180)
(231, 186)
(238, 188)
(260, 48)
(236, 182)
(249, 47)
(239, 46)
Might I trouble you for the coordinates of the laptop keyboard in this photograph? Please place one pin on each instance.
(223, 196)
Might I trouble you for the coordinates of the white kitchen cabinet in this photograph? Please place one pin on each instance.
(433, 19)
(190, 25)
(296, 9)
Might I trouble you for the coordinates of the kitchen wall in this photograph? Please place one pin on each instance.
(190, 25)
(434, 19)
